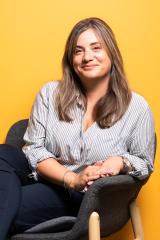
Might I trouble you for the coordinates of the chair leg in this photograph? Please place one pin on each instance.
(136, 221)
(94, 226)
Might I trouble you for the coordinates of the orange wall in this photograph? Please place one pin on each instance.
(32, 38)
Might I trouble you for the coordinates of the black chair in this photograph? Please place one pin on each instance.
(112, 199)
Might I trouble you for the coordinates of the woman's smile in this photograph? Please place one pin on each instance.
(89, 67)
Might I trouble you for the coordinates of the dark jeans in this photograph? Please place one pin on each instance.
(25, 202)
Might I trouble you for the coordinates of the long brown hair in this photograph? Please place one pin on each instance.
(110, 108)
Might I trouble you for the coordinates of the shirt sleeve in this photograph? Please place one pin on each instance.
(141, 152)
(35, 149)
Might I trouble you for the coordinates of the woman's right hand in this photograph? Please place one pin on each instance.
(79, 181)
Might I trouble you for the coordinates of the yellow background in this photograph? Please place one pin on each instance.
(32, 38)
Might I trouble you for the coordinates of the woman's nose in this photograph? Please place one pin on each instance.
(88, 56)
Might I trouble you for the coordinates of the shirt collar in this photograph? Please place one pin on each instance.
(79, 101)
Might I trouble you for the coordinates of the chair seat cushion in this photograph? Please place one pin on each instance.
(53, 225)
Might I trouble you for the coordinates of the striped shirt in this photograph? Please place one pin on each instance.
(133, 136)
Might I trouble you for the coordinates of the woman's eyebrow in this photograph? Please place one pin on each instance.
(91, 44)
(79, 46)
(95, 43)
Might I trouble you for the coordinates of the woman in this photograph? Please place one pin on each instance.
(87, 126)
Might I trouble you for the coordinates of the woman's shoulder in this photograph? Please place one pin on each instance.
(139, 100)
(48, 88)
(138, 105)
(51, 85)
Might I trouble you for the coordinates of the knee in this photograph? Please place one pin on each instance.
(11, 155)
(6, 151)
(5, 147)
(8, 178)
(9, 188)
(5, 167)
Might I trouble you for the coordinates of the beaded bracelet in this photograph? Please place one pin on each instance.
(64, 184)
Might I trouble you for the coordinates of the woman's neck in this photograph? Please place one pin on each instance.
(96, 91)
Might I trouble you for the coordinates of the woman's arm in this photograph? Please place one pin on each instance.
(43, 161)
(35, 134)
(54, 172)
(141, 151)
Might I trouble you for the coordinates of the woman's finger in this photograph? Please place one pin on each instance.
(98, 163)
(90, 183)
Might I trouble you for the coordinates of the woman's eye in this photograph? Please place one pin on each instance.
(96, 48)
(77, 51)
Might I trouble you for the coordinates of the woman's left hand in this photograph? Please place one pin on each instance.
(110, 167)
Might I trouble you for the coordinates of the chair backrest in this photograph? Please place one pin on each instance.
(15, 134)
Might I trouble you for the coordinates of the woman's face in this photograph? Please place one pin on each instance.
(90, 58)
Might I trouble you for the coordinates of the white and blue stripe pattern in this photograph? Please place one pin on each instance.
(133, 136)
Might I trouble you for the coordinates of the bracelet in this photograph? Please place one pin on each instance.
(64, 184)
(126, 165)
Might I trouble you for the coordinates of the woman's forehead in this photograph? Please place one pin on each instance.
(89, 36)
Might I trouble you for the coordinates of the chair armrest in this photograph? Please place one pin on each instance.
(60, 224)
(110, 198)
